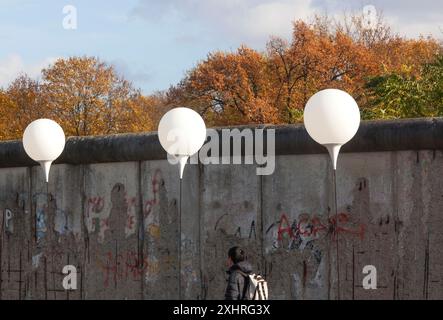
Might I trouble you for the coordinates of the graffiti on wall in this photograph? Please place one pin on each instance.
(103, 216)
(41, 201)
(121, 266)
(8, 221)
(97, 218)
(307, 228)
(61, 222)
(297, 246)
(151, 221)
(131, 215)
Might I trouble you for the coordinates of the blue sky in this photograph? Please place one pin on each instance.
(153, 43)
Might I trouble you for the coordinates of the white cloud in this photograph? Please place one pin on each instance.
(272, 18)
(253, 21)
(141, 75)
(13, 65)
(245, 20)
(415, 28)
(409, 18)
(9, 68)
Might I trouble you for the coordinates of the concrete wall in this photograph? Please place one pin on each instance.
(111, 208)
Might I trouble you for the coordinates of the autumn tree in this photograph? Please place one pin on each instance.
(229, 87)
(315, 59)
(390, 76)
(147, 111)
(273, 86)
(88, 97)
(248, 86)
(27, 103)
(7, 107)
(20, 103)
(85, 95)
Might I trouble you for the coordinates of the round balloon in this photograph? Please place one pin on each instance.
(331, 116)
(44, 140)
(181, 132)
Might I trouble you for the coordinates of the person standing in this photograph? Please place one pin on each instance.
(238, 275)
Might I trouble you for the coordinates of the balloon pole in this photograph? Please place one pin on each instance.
(334, 178)
(333, 150)
(48, 202)
(180, 243)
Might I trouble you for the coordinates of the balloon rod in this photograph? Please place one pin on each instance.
(46, 165)
(182, 162)
(334, 150)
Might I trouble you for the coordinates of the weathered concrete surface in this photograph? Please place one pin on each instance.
(122, 224)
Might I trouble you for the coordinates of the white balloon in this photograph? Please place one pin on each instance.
(44, 141)
(182, 132)
(332, 118)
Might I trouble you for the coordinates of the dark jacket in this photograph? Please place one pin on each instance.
(237, 281)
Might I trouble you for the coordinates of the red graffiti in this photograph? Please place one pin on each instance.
(94, 210)
(156, 180)
(130, 219)
(131, 222)
(95, 204)
(123, 266)
(308, 226)
(287, 229)
(104, 223)
(343, 219)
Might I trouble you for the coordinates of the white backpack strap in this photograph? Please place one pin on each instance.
(261, 292)
(253, 284)
(265, 289)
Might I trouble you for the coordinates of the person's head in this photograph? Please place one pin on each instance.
(236, 254)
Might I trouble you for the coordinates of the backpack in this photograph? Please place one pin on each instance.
(256, 288)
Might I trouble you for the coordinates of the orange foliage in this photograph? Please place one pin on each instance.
(87, 97)
(84, 95)
(273, 86)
